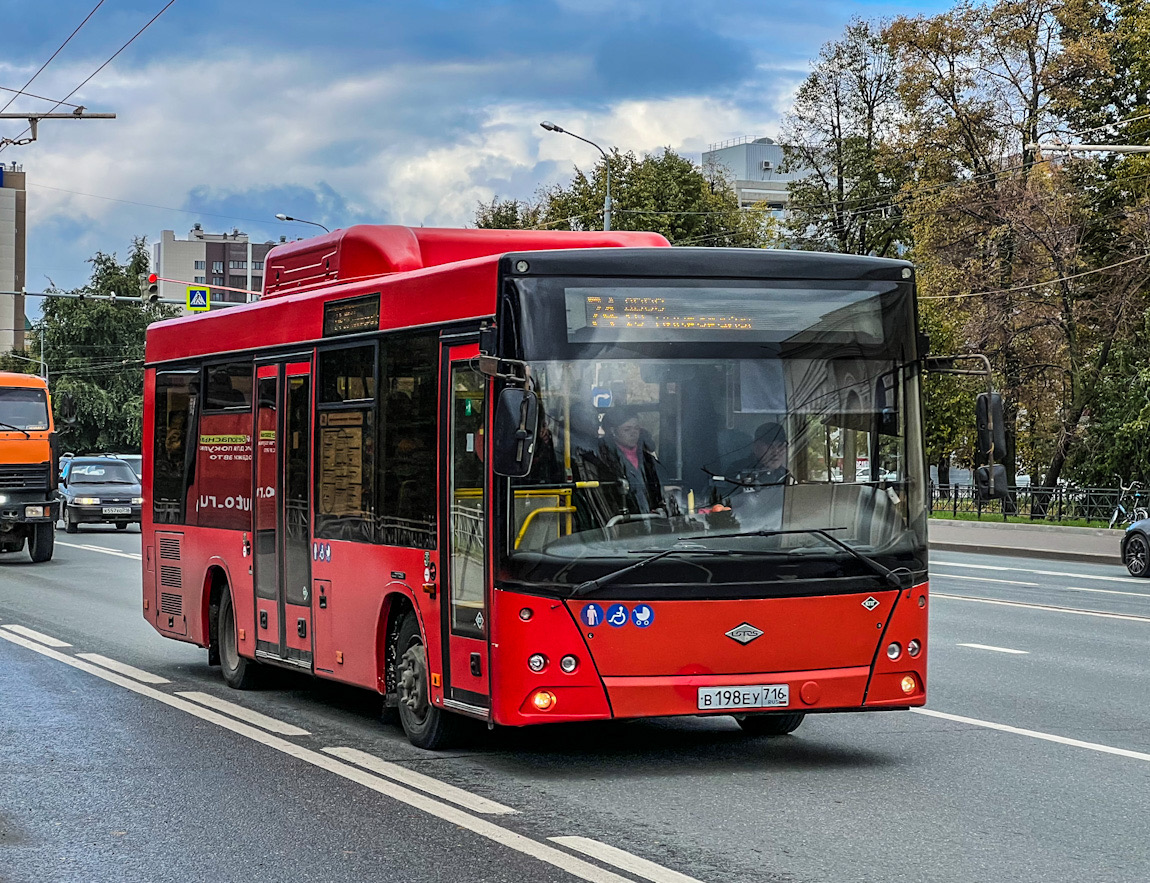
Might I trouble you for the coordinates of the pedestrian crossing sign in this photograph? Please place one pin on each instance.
(199, 298)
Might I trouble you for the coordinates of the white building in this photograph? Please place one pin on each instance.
(754, 164)
(219, 260)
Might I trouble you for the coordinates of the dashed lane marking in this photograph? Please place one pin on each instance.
(576, 867)
(1110, 579)
(245, 714)
(103, 549)
(47, 640)
(1048, 607)
(123, 668)
(995, 649)
(466, 799)
(987, 579)
(623, 860)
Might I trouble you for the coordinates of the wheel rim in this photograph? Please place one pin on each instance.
(413, 683)
(229, 656)
(1136, 555)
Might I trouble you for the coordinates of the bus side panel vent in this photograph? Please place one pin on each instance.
(171, 577)
(171, 605)
(169, 546)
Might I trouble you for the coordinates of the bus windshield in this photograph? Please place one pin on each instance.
(24, 408)
(645, 447)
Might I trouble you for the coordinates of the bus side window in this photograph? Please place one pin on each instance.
(175, 417)
(407, 478)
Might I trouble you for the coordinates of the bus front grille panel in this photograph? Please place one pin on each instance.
(24, 478)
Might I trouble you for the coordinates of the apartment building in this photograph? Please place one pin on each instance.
(219, 260)
(13, 252)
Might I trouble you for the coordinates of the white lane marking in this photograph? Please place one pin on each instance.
(623, 860)
(123, 668)
(549, 854)
(106, 551)
(1035, 734)
(1109, 579)
(986, 579)
(1108, 592)
(995, 649)
(37, 636)
(245, 714)
(1050, 607)
(466, 799)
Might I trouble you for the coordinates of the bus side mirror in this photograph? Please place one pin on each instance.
(982, 488)
(516, 425)
(991, 427)
(66, 408)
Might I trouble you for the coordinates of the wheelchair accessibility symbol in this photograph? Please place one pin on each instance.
(617, 615)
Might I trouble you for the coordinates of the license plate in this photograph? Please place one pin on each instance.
(117, 510)
(761, 696)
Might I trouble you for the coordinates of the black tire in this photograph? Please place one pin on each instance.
(239, 672)
(121, 525)
(769, 724)
(425, 725)
(1136, 555)
(42, 541)
(70, 526)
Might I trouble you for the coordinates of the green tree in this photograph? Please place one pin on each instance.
(95, 352)
(840, 131)
(661, 193)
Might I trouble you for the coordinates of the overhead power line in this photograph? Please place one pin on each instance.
(48, 62)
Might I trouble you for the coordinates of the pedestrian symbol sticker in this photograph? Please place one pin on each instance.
(199, 298)
(617, 615)
(642, 616)
(591, 614)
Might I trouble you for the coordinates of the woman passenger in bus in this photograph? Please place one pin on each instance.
(626, 461)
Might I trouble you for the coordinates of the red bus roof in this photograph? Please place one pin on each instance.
(404, 264)
(368, 250)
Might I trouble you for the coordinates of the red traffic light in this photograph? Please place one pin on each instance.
(153, 278)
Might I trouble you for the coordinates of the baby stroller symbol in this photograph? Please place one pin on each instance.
(642, 616)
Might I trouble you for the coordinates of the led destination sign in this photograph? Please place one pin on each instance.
(351, 315)
(606, 311)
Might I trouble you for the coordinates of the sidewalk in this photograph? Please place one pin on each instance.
(989, 537)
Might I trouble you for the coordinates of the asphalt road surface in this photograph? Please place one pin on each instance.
(1030, 763)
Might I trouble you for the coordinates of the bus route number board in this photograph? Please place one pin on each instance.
(761, 696)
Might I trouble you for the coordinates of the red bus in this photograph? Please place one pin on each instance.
(529, 477)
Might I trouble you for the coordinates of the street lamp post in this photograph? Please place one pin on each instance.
(39, 361)
(551, 127)
(283, 217)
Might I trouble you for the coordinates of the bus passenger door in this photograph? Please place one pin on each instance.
(282, 495)
(464, 528)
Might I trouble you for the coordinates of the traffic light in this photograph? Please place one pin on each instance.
(149, 287)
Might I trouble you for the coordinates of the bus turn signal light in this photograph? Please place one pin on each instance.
(543, 700)
(909, 684)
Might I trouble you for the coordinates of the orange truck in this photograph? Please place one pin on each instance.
(29, 466)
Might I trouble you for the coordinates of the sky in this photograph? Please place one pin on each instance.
(371, 111)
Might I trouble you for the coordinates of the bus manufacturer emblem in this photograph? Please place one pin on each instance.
(744, 633)
(870, 603)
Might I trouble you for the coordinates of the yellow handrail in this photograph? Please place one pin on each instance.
(558, 510)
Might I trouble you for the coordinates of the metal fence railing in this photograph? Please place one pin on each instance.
(1049, 504)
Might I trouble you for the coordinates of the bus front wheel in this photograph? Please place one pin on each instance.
(769, 724)
(425, 725)
(239, 672)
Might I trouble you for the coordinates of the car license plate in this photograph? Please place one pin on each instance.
(117, 510)
(760, 696)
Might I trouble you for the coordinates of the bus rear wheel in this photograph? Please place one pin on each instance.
(425, 725)
(769, 724)
(239, 672)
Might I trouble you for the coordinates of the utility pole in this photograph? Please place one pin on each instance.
(34, 119)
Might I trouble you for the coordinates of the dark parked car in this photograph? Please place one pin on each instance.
(1136, 548)
(102, 490)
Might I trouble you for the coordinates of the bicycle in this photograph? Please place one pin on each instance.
(1124, 516)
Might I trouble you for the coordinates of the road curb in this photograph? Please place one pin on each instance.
(1021, 552)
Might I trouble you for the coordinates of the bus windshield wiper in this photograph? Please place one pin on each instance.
(891, 577)
(685, 544)
(27, 434)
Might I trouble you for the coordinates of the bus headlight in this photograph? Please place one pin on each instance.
(913, 648)
(894, 651)
(909, 684)
(543, 700)
(569, 664)
(537, 662)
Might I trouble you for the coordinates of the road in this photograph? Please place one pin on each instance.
(1030, 763)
